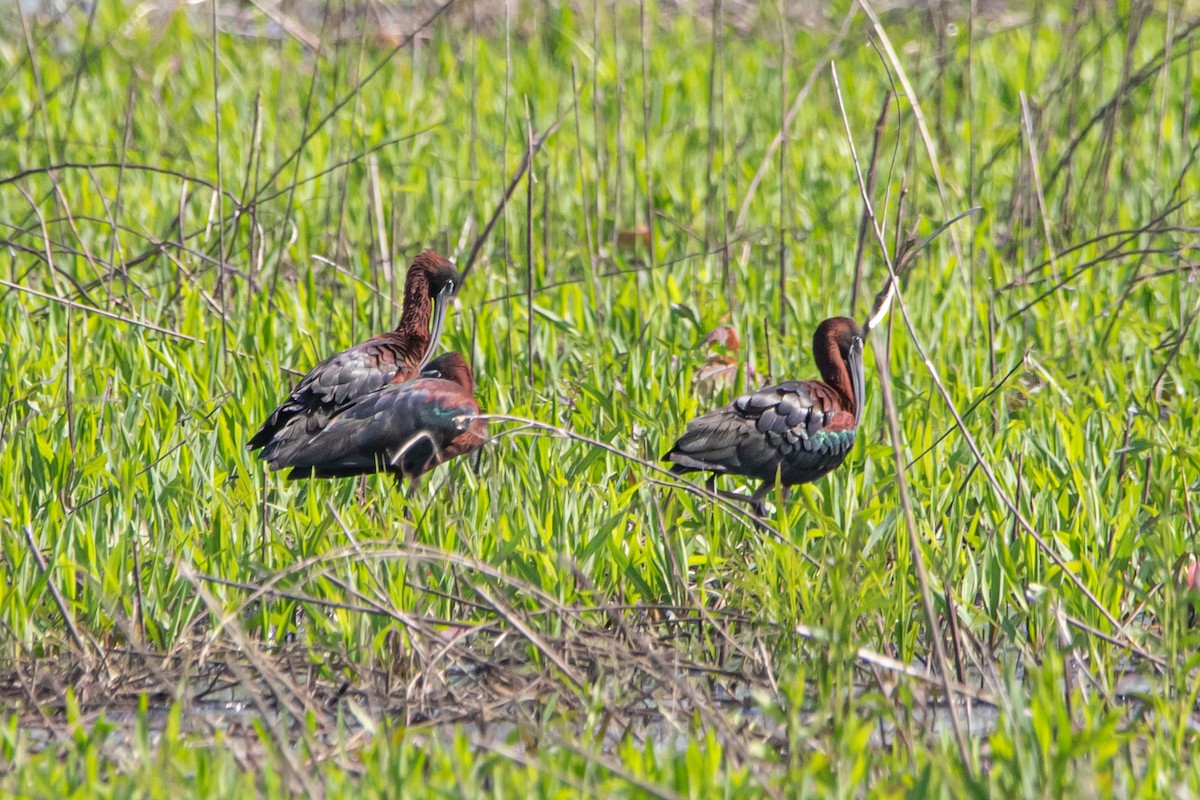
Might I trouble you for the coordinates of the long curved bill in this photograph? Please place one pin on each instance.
(857, 379)
(440, 304)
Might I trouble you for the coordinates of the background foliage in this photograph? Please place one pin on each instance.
(560, 621)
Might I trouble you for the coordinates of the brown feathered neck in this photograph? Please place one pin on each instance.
(418, 304)
(831, 339)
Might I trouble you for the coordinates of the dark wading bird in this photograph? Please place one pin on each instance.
(397, 355)
(797, 430)
(406, 429)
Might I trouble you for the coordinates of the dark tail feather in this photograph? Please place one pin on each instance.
(262, 438)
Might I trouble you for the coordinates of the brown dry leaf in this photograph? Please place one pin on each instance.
(716, 374)
(453, 634)
(723, 336)
(630, 237)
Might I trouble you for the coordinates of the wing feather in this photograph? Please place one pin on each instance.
(406, 427)
(799, 429)
(334, 384)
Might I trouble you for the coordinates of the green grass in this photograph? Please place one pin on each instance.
(624, 638)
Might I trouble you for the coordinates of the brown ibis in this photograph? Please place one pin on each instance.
(794, 432)
(406, 428)
(344, 377)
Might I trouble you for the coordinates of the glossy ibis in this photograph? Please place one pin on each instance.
(368, 366)
(407, 428)
(797, 430)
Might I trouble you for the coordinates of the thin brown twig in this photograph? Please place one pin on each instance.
(649, 156)
(994, 482)
(534, 426)
(935, 634)
(44, 569)
(530, 177)
(531, 636)
(100, 312)
(280, 687)
(859, 247)
(874, 658)
(792, 113)
(512, 187)
(913, 101)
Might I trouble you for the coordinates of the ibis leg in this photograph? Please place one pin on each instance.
(759, 499)
(755, 501)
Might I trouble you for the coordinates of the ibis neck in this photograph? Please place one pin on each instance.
(414, 320)
(835, 371)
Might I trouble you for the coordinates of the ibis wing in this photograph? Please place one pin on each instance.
(798, 427)
(329, 387)
(717, 442)
(403, 426)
